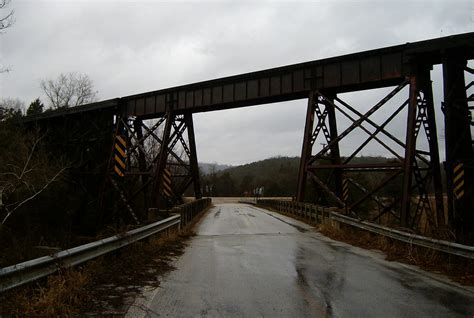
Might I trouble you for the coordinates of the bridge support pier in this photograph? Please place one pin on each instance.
(421, 167)
(193, 161)
(406, 178)
(149, 152)
(459, 163)
(321, 108)
(306, 151)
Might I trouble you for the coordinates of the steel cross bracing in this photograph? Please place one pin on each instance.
(148, 146)
(419, 168)
(81, 143)
(459, 167)
(415, 170)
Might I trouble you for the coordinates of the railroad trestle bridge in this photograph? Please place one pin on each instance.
(138, 152)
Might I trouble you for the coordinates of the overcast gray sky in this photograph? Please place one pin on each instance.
(130, 47)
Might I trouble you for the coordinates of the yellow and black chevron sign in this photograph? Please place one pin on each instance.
(167, 183)
(458, 181)
(120, 155)
(345, 189)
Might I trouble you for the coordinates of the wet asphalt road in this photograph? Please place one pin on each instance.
(249, 262)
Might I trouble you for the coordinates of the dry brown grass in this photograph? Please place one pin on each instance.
(60, 297)
(105, 286)
(457, 268)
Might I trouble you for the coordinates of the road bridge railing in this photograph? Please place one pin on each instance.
(318, 214)
(307, 211)
(22, 273)
(188, 211)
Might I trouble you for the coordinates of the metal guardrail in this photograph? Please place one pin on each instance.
(22, 273)
(439, 245)
(189, 210)
(317, 213)
(310, 212)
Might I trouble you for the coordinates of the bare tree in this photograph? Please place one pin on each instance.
(17, 178)
(69, 90)
(11, 108)
(5, 22)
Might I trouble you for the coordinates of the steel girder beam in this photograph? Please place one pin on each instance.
(459, 163)
(420, 169)
(358, 71)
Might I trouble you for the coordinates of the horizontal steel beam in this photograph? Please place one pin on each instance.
(364, 70)
(110, 105)
(358, 166)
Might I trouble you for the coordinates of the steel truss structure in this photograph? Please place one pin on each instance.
(82, 144)
(459, 166)
(421, 191)
(424, 197)
(150, 148)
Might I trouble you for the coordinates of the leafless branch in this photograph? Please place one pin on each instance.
(23, 172)
(69, 90)
(5, 22)
(34, 195)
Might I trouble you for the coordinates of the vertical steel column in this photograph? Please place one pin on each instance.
(458, 144)
(137, 125)
(426, 87)
(409, 153)
(161, 164)
(335, 153)
(306, 149)
(193, 161)
(421, 108)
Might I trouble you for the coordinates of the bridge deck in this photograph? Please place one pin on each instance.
(363, 70)
(249, 262)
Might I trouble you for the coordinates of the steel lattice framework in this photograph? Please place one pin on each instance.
(167, 143)
(420, 169)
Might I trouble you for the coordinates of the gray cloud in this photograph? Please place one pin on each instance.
(129, 47)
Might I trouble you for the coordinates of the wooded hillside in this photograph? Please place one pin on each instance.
(279, 176)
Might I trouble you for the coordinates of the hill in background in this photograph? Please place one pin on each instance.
(278, 176)
(208, 168)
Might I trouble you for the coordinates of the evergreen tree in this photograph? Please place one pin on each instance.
(11, 108)
(36, 107)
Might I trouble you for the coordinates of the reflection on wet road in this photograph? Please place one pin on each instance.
(248, 262)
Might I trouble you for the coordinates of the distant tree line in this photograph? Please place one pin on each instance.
(67, 90)
(279, 177)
